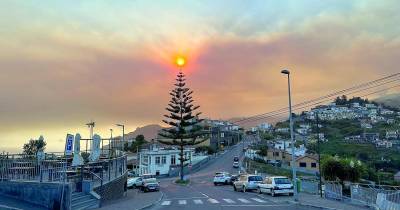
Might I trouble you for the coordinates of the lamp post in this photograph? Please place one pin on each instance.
(90, 125)
(123, 132)
(295, 196)
(110, 141)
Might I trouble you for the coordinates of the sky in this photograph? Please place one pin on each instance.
(64, 63)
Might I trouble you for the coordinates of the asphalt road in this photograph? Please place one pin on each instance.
(202, 194)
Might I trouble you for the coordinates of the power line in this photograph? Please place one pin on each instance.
(355, 89)
(275, 116)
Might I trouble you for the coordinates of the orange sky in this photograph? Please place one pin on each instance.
(65, 63)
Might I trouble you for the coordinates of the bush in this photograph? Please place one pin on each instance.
(182, 182)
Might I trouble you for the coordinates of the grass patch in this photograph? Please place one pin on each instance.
(182, 182)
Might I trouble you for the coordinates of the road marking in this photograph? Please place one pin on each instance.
(243, 200)
(258, 200)
(254, 205)
(198, 201)
(212, 200)
(182, 202)
(228, 200)
(166, 203)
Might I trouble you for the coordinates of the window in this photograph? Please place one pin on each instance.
(163, 160)
(313, 165)
(173, 160)
(158, 160)
(276, 154)
(303, 164)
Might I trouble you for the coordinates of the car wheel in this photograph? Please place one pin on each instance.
(226, 182)
(244, 189)
(272, 193)
(234, 188)
(134, 186)
(215, 184)
(259, 190)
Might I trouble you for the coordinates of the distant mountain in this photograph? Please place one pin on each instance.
(149, 132)
(392, 100)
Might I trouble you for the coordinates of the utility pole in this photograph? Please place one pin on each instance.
(319, 158)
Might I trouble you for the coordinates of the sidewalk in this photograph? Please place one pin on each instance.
(316, 201)
(134, 200)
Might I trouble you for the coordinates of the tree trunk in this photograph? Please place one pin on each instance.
(181, 161)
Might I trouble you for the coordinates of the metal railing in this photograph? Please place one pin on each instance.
(55, 167)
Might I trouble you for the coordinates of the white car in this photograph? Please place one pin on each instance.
(222, 178)
(276, 185)
(247, 182)
(135, 182)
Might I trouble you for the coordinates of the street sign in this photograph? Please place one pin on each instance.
(69, 144)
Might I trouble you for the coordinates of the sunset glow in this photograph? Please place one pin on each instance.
(63, 63)
(180, 61)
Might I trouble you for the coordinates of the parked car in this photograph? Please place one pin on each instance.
(236, 162)
(247, 182)
(135, 182)
(276, 185)
(150, 185)
(222, 178)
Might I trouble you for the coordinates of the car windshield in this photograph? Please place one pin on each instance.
(235, 159)
(255, 178)
(282, 181)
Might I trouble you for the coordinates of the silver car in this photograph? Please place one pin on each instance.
(247, 182)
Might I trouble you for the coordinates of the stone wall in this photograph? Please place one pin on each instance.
(112, 190)
(44, 194)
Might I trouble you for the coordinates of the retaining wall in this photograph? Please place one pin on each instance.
(112, 190)
(43, 194)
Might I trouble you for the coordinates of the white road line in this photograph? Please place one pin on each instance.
(228, 200)
(166, 203)
(182, 202)
(212, 200)
(258, 200)
(243, 200)
(198, 201)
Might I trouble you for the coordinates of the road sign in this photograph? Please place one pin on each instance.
(69, 144)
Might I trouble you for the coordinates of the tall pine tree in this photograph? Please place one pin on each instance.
(185, 129)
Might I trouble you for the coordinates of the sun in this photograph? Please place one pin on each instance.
(180, 61)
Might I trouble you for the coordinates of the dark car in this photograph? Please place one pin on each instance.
(234, 178)
(150, 185)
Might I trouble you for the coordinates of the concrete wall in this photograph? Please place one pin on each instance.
(44, 194)
(112, 190)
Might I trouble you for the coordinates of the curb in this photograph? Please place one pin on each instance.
(153, 203)
(310, 205)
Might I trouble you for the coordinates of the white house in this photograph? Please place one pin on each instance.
(384, 144)
(158, 161)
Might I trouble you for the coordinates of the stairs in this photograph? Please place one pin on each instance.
(80, 200)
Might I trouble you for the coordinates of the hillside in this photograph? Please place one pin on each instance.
(149, 132)
(392, 100)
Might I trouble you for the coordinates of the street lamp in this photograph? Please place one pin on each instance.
(287, 72)
(123, 132)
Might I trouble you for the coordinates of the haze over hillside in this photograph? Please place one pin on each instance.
(392, 100)
(149, 132)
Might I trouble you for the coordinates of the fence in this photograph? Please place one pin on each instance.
(389, 201)
(56, 168)
(333, 190)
